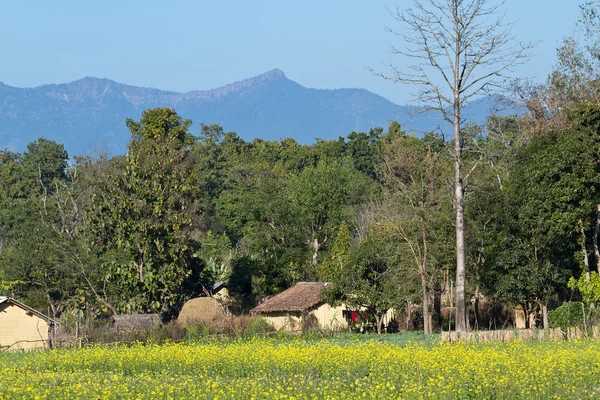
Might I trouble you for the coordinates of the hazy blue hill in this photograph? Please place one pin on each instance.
(88, 115)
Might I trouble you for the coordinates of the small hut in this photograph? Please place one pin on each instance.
(22, 327)
(220, 291)
(300, 307)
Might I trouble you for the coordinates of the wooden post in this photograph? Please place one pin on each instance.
(77, 333)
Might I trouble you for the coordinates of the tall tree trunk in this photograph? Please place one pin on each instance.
(462, 322)
(586, 261)
(409, 316)
(315, 246)
(464, 42)
(545, 316)
(52, 306)
(379, 321)
(426, 307)
(437, 307)
(530, 315)
(476, 307)
(424, 283)
(596, 247)
(452, 311)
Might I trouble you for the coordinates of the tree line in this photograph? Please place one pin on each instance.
(372, 213)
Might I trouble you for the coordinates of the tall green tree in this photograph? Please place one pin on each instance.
(149, 213)
(374, 279)
(321, 198)
(43, 162)
(45, 248)
(338, 257)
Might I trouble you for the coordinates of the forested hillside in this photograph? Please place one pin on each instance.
(87, 116)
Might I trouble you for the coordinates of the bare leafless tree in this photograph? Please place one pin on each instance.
(461, 49)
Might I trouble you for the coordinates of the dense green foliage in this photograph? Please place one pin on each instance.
(550, 202)
(371, 213)
(150, 216)
(566, 315)
(144, 232)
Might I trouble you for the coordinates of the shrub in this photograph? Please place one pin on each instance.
(195, 332)
(259, 327)
(568, 314)
(239, 323)
(105, 332)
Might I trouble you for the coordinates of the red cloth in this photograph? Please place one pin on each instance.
(354, 316)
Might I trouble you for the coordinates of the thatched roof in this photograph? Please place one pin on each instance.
(300, 297)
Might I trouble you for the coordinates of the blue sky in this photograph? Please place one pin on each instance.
(187, 45)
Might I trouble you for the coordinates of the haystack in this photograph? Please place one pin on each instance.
(202, 310)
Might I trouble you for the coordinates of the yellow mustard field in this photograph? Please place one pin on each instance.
(300, 369)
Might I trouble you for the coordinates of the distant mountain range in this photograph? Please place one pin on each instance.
(88, 115)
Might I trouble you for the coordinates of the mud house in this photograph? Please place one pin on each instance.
(299, 307)
(22, 327)
(220, 291)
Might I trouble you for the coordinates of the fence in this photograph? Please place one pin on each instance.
(510, 335)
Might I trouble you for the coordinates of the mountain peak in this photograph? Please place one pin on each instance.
(273, 74)
(93, 80)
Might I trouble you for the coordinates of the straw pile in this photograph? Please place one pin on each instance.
(202, 310)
